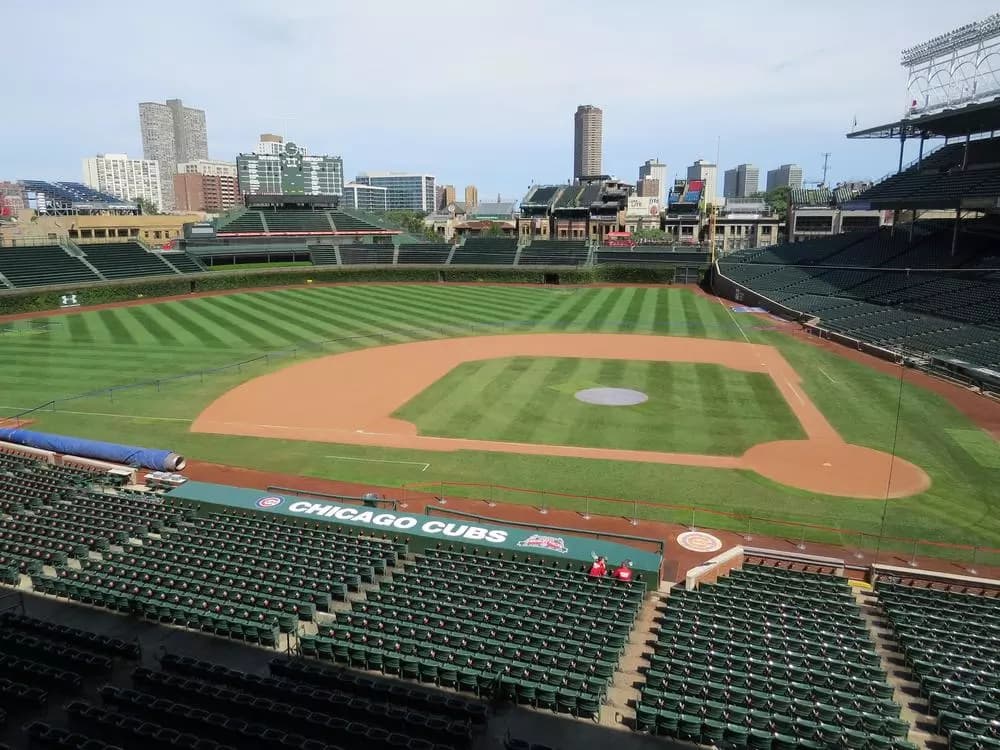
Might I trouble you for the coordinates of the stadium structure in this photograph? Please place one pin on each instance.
(151, 598)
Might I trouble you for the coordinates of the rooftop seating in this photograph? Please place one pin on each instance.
(951, 642)
(767, 658)
(122, 260)
(42, 265)
(485, 251)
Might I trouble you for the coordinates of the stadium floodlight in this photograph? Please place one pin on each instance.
(959, 67)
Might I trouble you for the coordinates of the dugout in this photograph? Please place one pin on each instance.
(418, 531)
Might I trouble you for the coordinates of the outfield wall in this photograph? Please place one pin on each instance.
(81, 295)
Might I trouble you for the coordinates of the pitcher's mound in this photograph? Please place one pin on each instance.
(611, 396)
(833, 467)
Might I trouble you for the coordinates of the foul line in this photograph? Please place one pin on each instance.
(734, 320)
(382, 461)
(827, 375)
(797, 395)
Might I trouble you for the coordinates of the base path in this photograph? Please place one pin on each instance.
(349, 399)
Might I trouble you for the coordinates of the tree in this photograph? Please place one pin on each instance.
(413, 222)
(495, 230)
(777, 200)
(649, 234)
(146, 207)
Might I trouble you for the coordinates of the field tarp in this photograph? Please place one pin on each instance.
(128, 455)
(420, 531)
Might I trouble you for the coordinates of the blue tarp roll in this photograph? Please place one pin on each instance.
(128, 455)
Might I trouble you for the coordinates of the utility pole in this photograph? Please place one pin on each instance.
(826, 165)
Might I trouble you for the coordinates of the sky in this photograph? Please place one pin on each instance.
(472, 92)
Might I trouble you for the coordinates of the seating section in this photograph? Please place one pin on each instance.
(183, 262)
(512, 627)
(43, 265)
(768, 657)
(951, 642)
(188, 703)
(555, 253)
(345, 222)
(428, 253)
(890, 289)
(323, 255)
(286, 221)
(122, 260)
(485, 251)
(645, 256)
(248, 221)
(356, 255)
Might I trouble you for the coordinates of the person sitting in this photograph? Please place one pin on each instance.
(623, 572)
(599, 568)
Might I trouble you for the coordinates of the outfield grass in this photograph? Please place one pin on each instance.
(692, 407)
(88, 351)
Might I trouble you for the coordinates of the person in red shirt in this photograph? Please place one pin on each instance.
(623, 572)
(599, 568)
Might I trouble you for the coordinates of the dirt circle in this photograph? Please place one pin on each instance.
(833, 467)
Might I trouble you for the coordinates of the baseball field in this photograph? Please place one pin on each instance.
(396, 385)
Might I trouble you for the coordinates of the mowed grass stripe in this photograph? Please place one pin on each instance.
(489, 303)
(211, 312)
(460, 408)
(450, 309)
(632, 320)
(277, 309)
(116, 329)
(528, 422)
(79, 331)
(617, 318)
(568, 315)
(588, 316)
(342, 324)
(152, 322)
(363, 314)
(179, 314)
(246, 308)
(418, 316)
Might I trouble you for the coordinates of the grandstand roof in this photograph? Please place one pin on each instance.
(982, 117)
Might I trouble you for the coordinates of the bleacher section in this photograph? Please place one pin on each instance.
(183, 262)
(554, 253)
(951, 642)
(486, 251)
(248, 221)
(43, 265)
(356, 255)
(644, 255)
(768, 658)
(531, 631)
(120, 260)
(287, 221)
(426, 253)
(323, 255)
(345, 222)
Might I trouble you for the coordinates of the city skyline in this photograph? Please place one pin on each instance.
(792, 108)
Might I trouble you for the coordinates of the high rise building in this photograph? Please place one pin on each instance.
(172, 134)
(649, 187)
(365, 197)
(708, 173)
(206, 185)
(588, 124)
(128, 179)
(654, 169)
(787, 175)
(471, 197)
(13, 198)
(212, 167)
(447, 196)
(407, 191)
(271, 144)
(290, 173)
(741, 181)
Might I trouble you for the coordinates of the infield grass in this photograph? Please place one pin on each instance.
(692, 407)
(67, 355)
